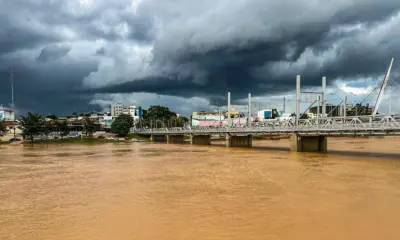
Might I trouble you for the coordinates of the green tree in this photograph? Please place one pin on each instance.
(144, 113)
(3, 128)
(122, 125)
(177, 121)
(160, 113)
(304, 116)
(89, 126)
(47, 127)
(156, 114)
(32, 125)
(63, 128)
(183, 119)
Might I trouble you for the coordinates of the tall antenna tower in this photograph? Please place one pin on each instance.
(12, 88)
(284, 104)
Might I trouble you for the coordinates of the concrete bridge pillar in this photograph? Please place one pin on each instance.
(177, 139)
(239, 141)
(158, 138)
(200, 139)
(308, 143)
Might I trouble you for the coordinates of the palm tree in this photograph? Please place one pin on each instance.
(3, 128)
(89, 126)
(32, 125)
(63, 128)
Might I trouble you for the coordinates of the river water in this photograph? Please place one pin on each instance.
(171, 192)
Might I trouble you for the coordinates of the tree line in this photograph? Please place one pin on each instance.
(34, 125)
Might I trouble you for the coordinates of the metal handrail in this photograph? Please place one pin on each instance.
(351, 124)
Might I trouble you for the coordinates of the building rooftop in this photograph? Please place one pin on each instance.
(2, 108)
(11, 123)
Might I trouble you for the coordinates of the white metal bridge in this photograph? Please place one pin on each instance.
(360, 125)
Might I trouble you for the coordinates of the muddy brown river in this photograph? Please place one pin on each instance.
(171, 192)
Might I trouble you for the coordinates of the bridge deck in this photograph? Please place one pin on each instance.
(330, 127)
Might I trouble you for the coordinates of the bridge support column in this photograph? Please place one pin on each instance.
(200, 139)
(177, 139)
(308, 143)
(157, 138)
(239, 141)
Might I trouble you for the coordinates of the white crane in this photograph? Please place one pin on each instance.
(381, 92)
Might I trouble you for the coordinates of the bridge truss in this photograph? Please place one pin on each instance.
(337, 126)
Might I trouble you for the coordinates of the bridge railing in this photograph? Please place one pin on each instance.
(323, 125)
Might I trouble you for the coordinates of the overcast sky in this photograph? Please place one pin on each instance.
(82, 55)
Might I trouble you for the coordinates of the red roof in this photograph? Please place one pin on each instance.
(10, 123)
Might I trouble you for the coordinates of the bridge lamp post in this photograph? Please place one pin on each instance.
(323, 97)
(297, 99)
(229, 110)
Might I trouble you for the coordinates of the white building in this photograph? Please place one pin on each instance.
(133, 111)
(7, 114)
(117, 109)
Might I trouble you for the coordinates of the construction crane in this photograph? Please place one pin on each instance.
(382, 89)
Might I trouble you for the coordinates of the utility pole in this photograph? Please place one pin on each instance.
(229, 109)
(249, 110)
(356, 109)
(284, 105)
(390, 100)
(318, 105)
(323, 98)
(297, 99)
(345, 108)
(12, 88)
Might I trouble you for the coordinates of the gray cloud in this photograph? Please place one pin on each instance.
(191, 48)
(100, 51)
(53, 52)
(46, 88)
(207, 49)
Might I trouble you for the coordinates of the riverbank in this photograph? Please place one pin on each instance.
(138, 137)
(71, 141)
(133, 137)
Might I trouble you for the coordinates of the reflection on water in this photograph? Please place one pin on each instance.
(160, 191)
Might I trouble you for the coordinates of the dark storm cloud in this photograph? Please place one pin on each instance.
(204, 59)
(53, 52)
(46, 31)
(29, 23)
(12, 39)
(21, 22)
(190, 48)
(55, 89)
(141, 28)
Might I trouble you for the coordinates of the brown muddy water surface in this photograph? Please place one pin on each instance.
(171, 192)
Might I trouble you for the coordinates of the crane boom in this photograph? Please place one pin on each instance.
(385, 81)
